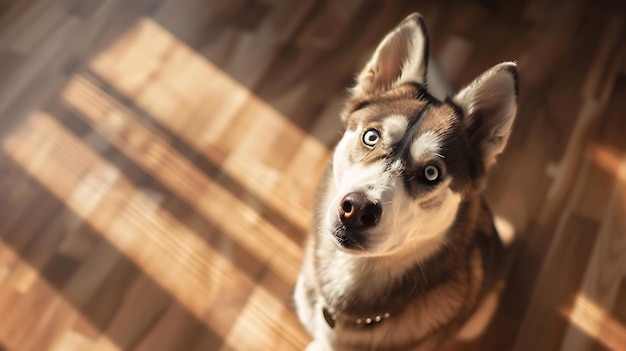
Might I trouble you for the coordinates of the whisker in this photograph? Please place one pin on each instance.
(423, 274)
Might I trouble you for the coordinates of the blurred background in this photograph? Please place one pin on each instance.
(158, 160)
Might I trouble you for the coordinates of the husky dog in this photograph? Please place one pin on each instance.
(404, 254)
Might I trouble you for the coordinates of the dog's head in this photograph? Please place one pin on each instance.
(407, 161)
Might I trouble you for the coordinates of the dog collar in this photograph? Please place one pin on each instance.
(331, 319)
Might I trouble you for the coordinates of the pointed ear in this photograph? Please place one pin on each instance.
(401, 57)
(489, 105)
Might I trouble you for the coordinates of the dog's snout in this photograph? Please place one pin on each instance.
(356, 211)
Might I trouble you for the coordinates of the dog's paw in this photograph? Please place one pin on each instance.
(316, 346)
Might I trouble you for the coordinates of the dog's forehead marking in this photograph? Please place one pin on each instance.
(395, 126)
(431, 131)
(427, 144)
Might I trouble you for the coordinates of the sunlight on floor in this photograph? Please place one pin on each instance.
(274, 165)
(131, 219)
(610, 160)
(33, 314)
(253, 142)
(594, 321)
(153, 153)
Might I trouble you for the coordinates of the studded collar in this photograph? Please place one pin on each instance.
(332, 318)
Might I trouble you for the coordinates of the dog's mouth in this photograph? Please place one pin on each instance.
(352, 240)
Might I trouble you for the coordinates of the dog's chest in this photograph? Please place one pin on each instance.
(407, 318)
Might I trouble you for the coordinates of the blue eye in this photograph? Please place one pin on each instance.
(431, 173)
(371, 137)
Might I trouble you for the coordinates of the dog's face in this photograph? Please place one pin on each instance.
(407, 161)
(400, 170)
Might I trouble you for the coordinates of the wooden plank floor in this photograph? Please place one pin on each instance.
(158, 160)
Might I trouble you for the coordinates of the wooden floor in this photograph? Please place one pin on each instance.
(158, 159)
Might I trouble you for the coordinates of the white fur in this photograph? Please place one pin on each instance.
(306, 314)
(351, 177)
(505, 230)
(394, 127)
(428, 144)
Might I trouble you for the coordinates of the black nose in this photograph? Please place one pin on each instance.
(357, 212)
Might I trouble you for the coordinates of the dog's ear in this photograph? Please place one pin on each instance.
(402, 56)
(489, 106)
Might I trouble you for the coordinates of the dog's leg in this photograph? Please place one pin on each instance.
(304, 305)
(313, 322)
(316, 345)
